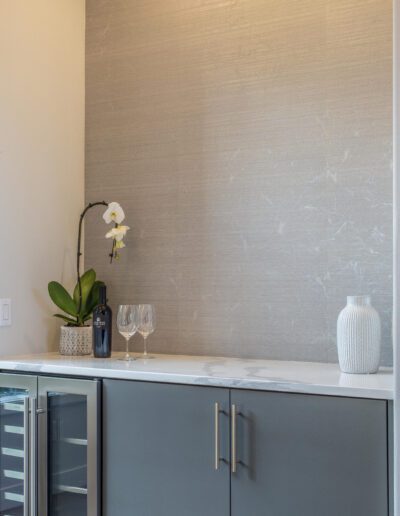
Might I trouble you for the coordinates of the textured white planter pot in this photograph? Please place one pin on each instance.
(359, 336)
(76, 340)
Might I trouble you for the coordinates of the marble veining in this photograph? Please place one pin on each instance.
(268, 375)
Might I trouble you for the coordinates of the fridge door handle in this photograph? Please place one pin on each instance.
(41, 487)
(26, 456)
(33, 457)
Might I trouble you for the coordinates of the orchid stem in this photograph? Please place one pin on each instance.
(79, 253)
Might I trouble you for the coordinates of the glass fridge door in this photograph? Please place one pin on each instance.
(68, 430)
(14, 452)
(67, 438)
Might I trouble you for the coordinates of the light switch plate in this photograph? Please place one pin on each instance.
(5, 312)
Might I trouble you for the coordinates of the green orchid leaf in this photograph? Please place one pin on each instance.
(93, 298)
(87, 281)
(61, 298)
(66, 319)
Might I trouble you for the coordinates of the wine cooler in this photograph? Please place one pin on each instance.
(49, 446)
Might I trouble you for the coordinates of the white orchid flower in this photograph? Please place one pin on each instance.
(114, 213)
(117, 233)
(119, 244)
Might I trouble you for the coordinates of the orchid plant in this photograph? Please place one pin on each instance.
(78, 308)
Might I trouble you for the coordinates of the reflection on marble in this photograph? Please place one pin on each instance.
(268, 375)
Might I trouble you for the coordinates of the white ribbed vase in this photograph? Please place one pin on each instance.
(359, 336)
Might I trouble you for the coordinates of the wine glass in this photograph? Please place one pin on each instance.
(127, 322)
(146, 324)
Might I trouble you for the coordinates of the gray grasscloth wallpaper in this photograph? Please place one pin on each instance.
(249, 142)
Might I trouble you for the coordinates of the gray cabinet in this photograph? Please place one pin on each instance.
(279, 454)
(308, 455)
(159, 450)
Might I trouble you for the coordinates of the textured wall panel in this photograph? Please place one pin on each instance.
(250, 143)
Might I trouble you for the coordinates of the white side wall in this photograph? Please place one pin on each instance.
(42, 46)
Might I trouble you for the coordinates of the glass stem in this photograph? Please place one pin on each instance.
(127, 349)
(145, 347)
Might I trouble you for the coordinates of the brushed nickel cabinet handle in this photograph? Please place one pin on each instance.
(216, 436)
(233, 436)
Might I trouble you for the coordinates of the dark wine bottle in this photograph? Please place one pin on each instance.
(102, 327)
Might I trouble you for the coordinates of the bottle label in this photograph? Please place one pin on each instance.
(98, 323)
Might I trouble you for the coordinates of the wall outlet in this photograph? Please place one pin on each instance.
(5, 312)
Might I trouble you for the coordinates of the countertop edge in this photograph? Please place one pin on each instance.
(281, 385)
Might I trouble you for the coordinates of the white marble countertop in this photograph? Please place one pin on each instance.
(268, 375)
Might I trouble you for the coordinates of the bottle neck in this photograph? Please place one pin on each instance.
(103, 295)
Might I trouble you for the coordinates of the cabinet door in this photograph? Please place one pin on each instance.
(307, 455)
(159, 447)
